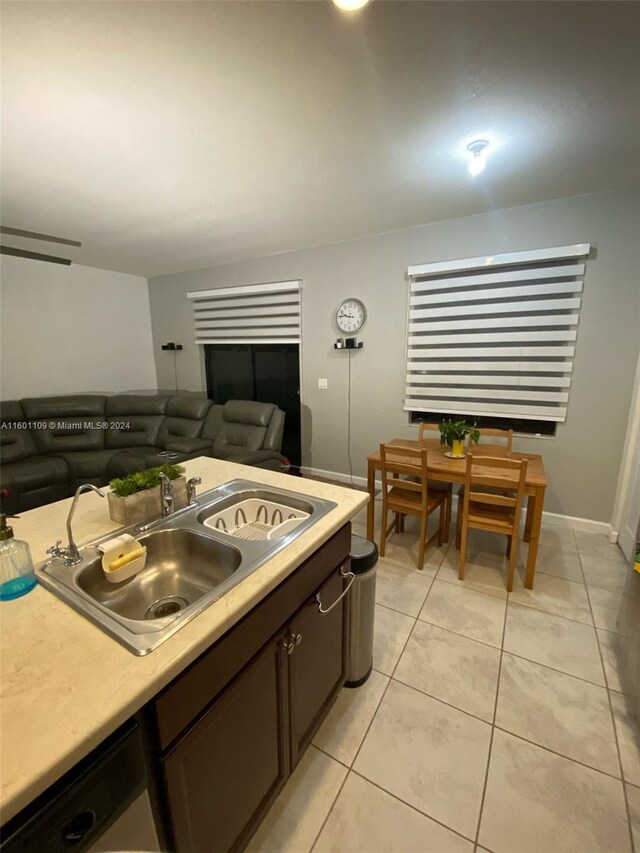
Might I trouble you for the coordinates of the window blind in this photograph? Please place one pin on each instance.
(256, 313)
(495, 335)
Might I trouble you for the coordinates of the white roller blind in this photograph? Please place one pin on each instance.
(256, 313)
(495, 335)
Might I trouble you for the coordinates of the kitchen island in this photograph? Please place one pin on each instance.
(66, 685)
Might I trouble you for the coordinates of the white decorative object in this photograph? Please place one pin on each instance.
(351, 315)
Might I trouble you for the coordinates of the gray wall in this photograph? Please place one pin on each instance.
(72, 329)
(582, 461)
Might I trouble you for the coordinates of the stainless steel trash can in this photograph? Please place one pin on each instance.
(364, 556)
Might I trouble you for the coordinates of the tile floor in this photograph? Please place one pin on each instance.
(489, 722)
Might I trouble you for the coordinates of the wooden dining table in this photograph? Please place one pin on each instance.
(448, 470)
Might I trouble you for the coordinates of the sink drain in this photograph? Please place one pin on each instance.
(166, 607)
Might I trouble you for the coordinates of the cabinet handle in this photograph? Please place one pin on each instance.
(322, 611)
(293, 640)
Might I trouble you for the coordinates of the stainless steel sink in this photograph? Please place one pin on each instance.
(189, 565)
(181, 567)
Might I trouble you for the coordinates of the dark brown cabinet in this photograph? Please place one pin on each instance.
(233, 762)
(317, 666)
(230, 730)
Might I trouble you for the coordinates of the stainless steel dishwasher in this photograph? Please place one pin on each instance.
(100, 805)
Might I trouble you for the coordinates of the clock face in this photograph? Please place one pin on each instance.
(351, 315)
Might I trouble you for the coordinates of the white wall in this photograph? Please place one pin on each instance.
(72, 330)
(582, 461)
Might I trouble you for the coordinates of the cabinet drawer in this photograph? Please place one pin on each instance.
(188, 696)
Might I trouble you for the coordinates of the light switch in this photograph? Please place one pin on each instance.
(323, 384)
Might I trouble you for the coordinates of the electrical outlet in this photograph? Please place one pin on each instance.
(323, 384)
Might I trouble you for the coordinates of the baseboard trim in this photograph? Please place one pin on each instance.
(572, 521)
(552, 518)
(334, 475)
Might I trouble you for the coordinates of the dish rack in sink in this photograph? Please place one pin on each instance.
(256, 520)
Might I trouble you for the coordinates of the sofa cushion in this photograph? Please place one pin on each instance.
(88, 465)
(133, 430)
(195, 408)
(191, 445)
(238, 437)
(21, 501)
(33, 473)
(213, 422)
(134, 419)
(248, 412)
(15, 443)
(275, 430)
(185, 416)
(136, 404)
(71, 423)
(128, 461)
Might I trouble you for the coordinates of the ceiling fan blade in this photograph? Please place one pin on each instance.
(34, 256)
(18, 232)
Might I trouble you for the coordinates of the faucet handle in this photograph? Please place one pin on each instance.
(191, 488)
(56, 550)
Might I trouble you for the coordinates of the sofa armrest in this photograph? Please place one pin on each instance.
(189, 445)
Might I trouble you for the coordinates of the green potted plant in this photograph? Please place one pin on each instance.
(136, 499)
(454, 433)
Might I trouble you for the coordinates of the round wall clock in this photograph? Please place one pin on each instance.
(351, 315)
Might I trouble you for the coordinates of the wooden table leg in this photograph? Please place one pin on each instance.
(531, 503)
(536, 522)
(371, 488)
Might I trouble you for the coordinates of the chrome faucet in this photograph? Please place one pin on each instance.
(166, 495)
(70, 554)
(191, 489)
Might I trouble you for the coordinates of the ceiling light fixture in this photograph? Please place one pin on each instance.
(478, 161)
(351, 5)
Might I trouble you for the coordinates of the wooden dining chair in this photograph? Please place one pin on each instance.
(439, 485)
(408, 497)
(490, 432)
(488, 503)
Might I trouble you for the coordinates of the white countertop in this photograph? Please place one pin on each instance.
(65, 684)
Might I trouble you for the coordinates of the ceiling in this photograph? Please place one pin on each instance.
(174, 135)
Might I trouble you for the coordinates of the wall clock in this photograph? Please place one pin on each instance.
(351, 315)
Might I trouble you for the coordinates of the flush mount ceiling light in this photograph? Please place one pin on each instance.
(478, 161)
(351, 5)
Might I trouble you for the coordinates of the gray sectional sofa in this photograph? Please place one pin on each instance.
(51, 445)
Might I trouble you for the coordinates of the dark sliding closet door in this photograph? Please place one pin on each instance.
(268, 373)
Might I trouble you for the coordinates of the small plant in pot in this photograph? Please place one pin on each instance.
(454, 433)
(136, 499)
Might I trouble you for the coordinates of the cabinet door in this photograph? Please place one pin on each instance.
(317, 662)
(227, 770)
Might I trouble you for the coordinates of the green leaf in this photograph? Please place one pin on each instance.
(451, 431)
(140, 481)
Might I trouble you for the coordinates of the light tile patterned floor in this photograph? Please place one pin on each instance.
(489, 723)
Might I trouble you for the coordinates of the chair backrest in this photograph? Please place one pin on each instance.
(425, 428)
(396, 461)
(490, 432)
(490, 472)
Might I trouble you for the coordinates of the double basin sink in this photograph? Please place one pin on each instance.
(194, 556)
